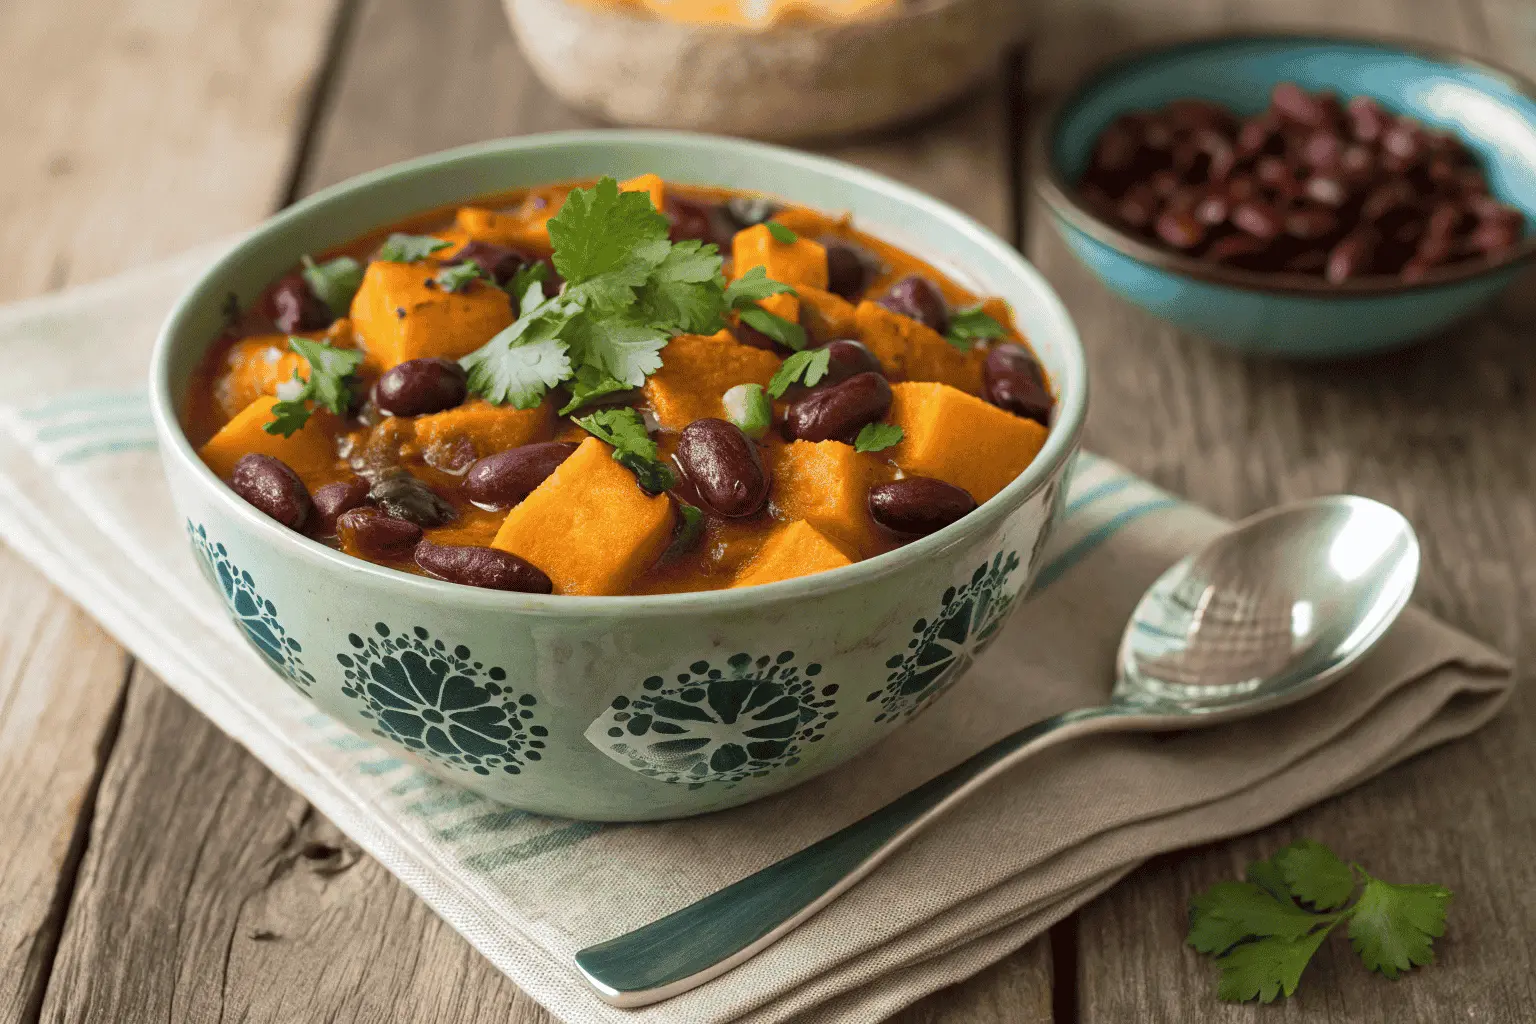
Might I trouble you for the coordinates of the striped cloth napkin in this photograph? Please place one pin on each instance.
(81, 495)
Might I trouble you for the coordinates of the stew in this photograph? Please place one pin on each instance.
(614, 388)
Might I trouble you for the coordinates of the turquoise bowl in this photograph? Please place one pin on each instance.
(621, 708)
(1493, 111)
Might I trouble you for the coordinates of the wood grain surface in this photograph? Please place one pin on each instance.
(160, 873)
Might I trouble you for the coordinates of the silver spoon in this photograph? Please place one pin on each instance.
(1263, 615)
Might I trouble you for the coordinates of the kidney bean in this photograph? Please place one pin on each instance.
(1322, 150)
(506, 478)
(1310, 223)
(1222, 156)
(499, 261)
(1291, 101)
(920, 299)
(1164, 183)
(848, 269)
(698, 220)
(1308, 261)
(1357, 163)
(1235, 248)
(373, 534)
(403, 496)
(848, 358)
(724, 467)
(1443, 221)
(273, 487)
(1403, 140)
(1493, 237)
(1326, 190)
(1137, 207)
(1180, 229)
(918, 505)
(1367, 120)
(1011, 379)
(1351, 257)
(1242, 187)
(295, 308)
(1256, 135)
(1157, 133)
(332, 500)
(1389, 196)
(1258, 219)
(837, 413)
(1116, 148)
(487, 568)
(417, 387)
(749, 335)
(1213, 209)
(1197, 114)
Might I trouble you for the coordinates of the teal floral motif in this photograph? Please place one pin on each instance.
(718, 724)
(254, 614)
(942, 648)
(440, 703)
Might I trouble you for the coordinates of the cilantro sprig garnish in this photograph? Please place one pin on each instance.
(327, 386)
(781, 234)
(808, 366)
(403, 248)
(459, 276)
(334, 282)
(968, 326)
(624, 431)
(877, 437)
(1264, 931)
(628, 291)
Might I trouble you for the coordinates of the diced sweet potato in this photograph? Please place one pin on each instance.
(525, 227)
(696, 370)
(401, 317)
(958, 438)
(811, 223)
(999, 310)
(485, 428)
(307, 451)
(912, 351)
(825, 315)
(651, 183)
(794, 549)
(589, 526)
(254, 367)
(826, 483)
(801, 262)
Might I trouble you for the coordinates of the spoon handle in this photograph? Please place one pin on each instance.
(705, 939)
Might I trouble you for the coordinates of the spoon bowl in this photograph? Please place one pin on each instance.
(1265, 614)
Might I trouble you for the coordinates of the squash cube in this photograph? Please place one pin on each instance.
(826, 483)
(913, 351)
(794, 549)
(307, 451)
(400, 317)
(826, 315)
(589, 526)
(651, 183)
(487, 428)
(254, 367)
(958, 438)
(801, 262)
(696, 370)
(525, 227)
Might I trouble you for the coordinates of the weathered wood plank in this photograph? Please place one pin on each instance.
(129, 132)
(1441, 431)
(60, 678)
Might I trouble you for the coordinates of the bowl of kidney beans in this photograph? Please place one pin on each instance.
(1295, 195)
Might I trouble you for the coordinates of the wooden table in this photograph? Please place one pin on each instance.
(135, 889)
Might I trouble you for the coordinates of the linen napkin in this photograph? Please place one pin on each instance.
(81, 495)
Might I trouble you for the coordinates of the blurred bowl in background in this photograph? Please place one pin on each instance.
(789, 81)
(1492, 111)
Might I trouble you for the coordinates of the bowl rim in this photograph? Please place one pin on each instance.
(1061, 443)
(1059, 195)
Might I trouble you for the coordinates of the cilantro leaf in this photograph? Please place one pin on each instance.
(1254, 909)
(877, 437)
(1313, 874)
(590, 385)
(968, 326)
(1267, 875)
(522, 362)
(601, 230)
(1393, 925)
(684, 291)
(402, 248)
(620, 345)
(460, 276)
(527, 275)
(329, 370)
(752, 287)
(785, 332)
(334, 282)
(808, 364)
(690, 528)
(781, 234)
(1262, 970)
(624, 430)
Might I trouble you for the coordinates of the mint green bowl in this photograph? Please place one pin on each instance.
(621, 708)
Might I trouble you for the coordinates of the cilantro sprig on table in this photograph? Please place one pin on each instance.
(1264, 931)
(628, 291)
(328, 385)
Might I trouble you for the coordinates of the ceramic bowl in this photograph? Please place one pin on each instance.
(790, 81)
(1493, 111)
(621, 708)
